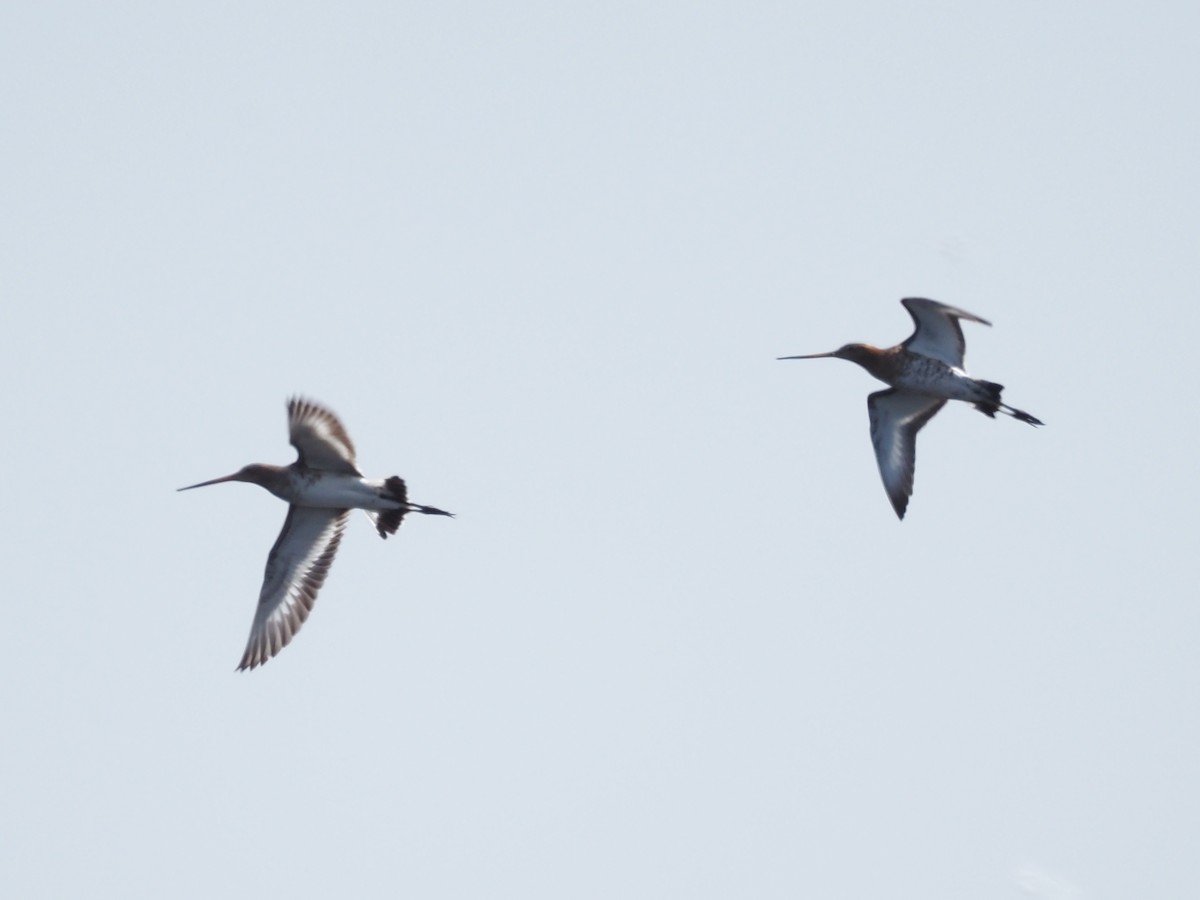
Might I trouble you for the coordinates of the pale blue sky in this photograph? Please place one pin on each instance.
(540, 258)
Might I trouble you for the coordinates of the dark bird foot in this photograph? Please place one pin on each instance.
(430, 510)
(1025, 417)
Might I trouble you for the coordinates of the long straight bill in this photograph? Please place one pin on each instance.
(809, 356)
(233, 477)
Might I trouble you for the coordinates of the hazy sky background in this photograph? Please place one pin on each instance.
(540, 258)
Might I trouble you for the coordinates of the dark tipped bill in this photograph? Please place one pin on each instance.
(220, 480)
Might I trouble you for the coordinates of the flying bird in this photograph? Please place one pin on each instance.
(322, 486)
(923, 373)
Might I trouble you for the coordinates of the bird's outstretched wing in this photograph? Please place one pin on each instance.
(320, 438)
(296, 569)
(938, 333)
(896, 417)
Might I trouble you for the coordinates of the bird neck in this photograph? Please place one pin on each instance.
(879, 363)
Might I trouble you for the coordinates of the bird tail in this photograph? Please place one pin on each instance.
(388, 521)
(992, 404)
(396, 489)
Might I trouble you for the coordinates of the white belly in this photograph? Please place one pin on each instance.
(330, 491)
